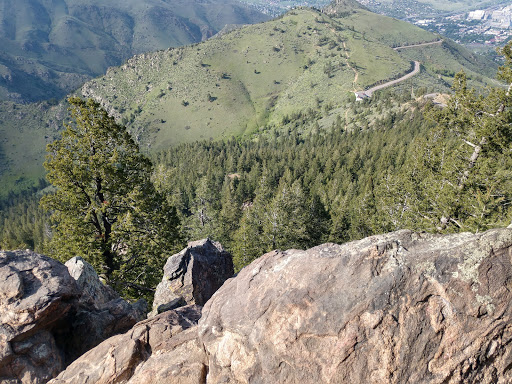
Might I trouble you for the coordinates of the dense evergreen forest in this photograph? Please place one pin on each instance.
(284, 189)
(289, 190)
(299, 185)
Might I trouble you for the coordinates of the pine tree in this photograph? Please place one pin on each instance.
(105, 207)
(204, 219)
(285, 220)
(462, 178)
(248, 242)
(230, 213)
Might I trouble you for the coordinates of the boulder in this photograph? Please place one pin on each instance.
(47, 318)
(397, 308)
(100, 312)
(193, 275)
(93, 291)
(36, 292)
(402, 307)
(163, 349)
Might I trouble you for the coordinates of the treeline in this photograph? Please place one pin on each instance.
(289, 190)
(283, 190)
(300, 187)
(23, 224)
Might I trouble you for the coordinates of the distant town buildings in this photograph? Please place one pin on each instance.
(476, 15)
(502, 18)
(491, 26)
(498, 18)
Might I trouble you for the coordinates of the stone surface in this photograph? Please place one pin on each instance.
(92, 289)
(35, 293)
(47, 318)
(193, 274)
(173, 304)
(163, 349)
(402, 307)
(100, 314)
(397, 308)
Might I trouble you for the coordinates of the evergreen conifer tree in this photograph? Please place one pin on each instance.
(105, 207)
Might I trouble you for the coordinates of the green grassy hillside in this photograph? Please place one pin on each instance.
(51, 48)
(24, 132)
(257, 78)
(259, 74)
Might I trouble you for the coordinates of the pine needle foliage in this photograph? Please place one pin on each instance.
(105, 207)
(462, 178)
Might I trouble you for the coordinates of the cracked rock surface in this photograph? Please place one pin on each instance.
(50, 315)
(193, 275)
(163, 349)
(397, 308)
(402, 307)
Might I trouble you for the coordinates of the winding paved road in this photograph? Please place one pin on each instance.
(418, 45)
(415, 71)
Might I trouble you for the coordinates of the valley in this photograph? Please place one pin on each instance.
(258, 75)
(50, 49)
(324, 196)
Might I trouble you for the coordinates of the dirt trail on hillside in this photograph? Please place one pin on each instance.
(356, 74)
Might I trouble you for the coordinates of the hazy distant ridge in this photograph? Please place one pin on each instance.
(51, 48)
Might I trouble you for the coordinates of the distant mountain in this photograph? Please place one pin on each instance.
(49, 48)
(250, 80)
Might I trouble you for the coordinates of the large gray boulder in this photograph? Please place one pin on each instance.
(100, 312)
(398, 308)
(93, 291)
(48, 317)
(193, 275)
(36, 293)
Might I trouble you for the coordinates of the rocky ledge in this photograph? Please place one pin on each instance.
(403, 307)
(52, 313)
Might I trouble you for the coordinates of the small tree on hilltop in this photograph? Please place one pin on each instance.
(105, 207)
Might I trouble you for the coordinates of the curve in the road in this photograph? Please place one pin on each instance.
(368, 93)
(415, 71)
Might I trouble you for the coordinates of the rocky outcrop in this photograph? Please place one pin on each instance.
(35, 293)
(398, 308)
(100, 312)
(93, 291)
(403, 307)
(163, 349)
(47, 318)
(193, 275)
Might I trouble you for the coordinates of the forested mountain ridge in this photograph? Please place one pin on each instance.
(51, 48)
(299, 187)
(280, 94)
(259, 76)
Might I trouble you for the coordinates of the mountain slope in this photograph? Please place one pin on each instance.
(260, 74)
(50, 48)
(256, 78)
